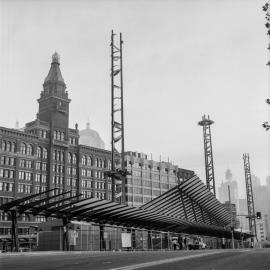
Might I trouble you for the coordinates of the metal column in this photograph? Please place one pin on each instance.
(250, 201)
(208, 153)
(118, 169)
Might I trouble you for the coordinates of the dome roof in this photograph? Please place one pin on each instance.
(91, 138)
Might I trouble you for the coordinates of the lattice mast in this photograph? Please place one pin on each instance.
(250, 201)
(118, 171)
(208, 153)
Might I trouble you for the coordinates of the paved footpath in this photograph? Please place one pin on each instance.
(246, 259)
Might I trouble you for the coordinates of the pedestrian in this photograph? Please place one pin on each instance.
(174, 242)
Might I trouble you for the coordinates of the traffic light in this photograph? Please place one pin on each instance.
(258, 215)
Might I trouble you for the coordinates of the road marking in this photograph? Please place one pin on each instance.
(153, 263)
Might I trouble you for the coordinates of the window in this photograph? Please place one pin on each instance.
(8, 146)
(89, 161)
(38, 176)
(20, 188)
(39, 151)
(74, 159)
(43, 178)
(83, 172)
(83, 160)
(37, 189)
(69, 157)
(23, 148)
(45, 153)
(44, 166)
(13, 147)
(74, 171)
(4, 145)
(29, 150)
(38, 166)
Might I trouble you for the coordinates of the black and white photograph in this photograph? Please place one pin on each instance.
(135, 134)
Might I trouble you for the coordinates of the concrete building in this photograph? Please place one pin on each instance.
(148, 178)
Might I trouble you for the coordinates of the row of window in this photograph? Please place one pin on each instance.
(89, 194)
(58, 168)
(5, 173)
(23, 188)
(93, 184)
(5, 186)
(41, 166)
(25, 149)
(38, 189)
(92, 173)
(27, 176)
(8, 146)
(97, 162)
(59, 135)
(26, 163)
(148, 167)
(42, 152)
(7, 160)
(41, 178)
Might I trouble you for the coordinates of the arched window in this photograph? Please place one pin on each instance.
(8, 146)
(89, 161)
(45, 153)
(23, 148)
(4, 145)
(39, 152)
(69, 157)
(101, 163)
(83, 160)
(13, 147)
(74, 160)
(29, 150)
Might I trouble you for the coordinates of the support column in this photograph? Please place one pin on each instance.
(14, 231)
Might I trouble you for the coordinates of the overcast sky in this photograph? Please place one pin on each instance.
(182, 59)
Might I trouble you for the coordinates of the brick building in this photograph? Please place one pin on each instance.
(47, 154)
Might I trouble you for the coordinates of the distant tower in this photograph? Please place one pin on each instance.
(250, 201)
(208, 153)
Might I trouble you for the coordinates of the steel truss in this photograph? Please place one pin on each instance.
(208, 153)
(118, 171)
(250, 201)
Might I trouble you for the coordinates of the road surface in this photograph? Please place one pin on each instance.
(246, 259)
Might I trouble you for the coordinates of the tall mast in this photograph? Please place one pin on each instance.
(118, 171)
(250, 201)
(208, 153)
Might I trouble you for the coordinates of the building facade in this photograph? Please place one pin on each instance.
(47, 154)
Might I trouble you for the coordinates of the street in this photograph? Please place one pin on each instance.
(253, 259)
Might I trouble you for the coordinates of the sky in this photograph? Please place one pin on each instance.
(182, 59)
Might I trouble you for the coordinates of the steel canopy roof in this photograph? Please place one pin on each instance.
(187, 208)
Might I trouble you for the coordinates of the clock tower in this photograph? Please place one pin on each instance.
(54, 101)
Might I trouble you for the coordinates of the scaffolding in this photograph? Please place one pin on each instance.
(250, 201)
(208, 153)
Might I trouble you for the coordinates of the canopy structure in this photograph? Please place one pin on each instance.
(191, 200)
(187, 208)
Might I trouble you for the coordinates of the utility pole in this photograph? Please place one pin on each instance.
(118, 170)
(208, 153)
(231, 213)
(250, 201)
